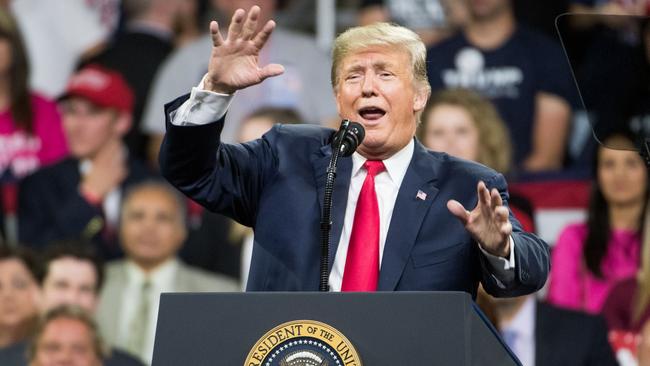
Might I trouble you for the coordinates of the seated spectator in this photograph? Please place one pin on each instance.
(542, 334)
(72, 275)
(304, 85)
(522, 72)
(79, 196)
(152, 230)
(19, 295)
(31, 135)
(463, 124)
(589, 258)
(67, 335)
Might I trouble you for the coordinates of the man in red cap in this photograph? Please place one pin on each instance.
(80, 196)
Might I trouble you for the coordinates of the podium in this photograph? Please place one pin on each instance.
(385, 328)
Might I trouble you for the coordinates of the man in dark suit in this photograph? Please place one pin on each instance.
(394, 202)
(544, 335)
(80, 196)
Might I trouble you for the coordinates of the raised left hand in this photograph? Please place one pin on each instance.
(488, 222)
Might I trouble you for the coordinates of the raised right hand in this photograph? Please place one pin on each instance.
(234, 62)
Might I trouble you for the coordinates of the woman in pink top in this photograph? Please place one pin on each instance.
(589, 258)
(30, 127)
(31, 134)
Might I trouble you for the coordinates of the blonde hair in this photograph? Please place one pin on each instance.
(383, 35)
(494, 148)
(73, 312)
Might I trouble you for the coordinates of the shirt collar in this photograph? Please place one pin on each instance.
(84, 166)
(523, 324)
(163, 274)
(396, 165)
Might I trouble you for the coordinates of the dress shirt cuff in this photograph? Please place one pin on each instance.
(202, 107)
(503, 269)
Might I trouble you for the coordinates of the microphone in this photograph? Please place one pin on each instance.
(345, 141)
(349, 136)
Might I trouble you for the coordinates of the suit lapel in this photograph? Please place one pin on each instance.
(320, 162)
(181, 279)
(410, 209)
(112, 298)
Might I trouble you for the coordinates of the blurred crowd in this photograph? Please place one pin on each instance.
(90, 235)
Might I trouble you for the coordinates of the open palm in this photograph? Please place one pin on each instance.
(488, 222)
(234, 61)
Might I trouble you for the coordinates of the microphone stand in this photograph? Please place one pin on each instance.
(326, 220)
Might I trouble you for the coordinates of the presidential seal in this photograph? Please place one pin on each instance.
(303, 343)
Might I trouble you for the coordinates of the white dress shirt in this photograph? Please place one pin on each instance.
(205, 107)
(387, 185)
(523, 325)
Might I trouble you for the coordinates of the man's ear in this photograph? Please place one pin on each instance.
(123, 123)
(420, 100)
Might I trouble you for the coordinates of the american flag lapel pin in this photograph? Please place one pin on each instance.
(421, 195)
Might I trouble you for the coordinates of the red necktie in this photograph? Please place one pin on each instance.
(362, 263)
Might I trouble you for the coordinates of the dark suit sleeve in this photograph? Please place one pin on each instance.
(532, 263)
(224, 178)
(46, 215)
(600, 352)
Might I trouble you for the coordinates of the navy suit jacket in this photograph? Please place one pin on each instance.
(276, 185)
(567, 337)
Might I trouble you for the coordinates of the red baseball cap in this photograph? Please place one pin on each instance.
(102, 86)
